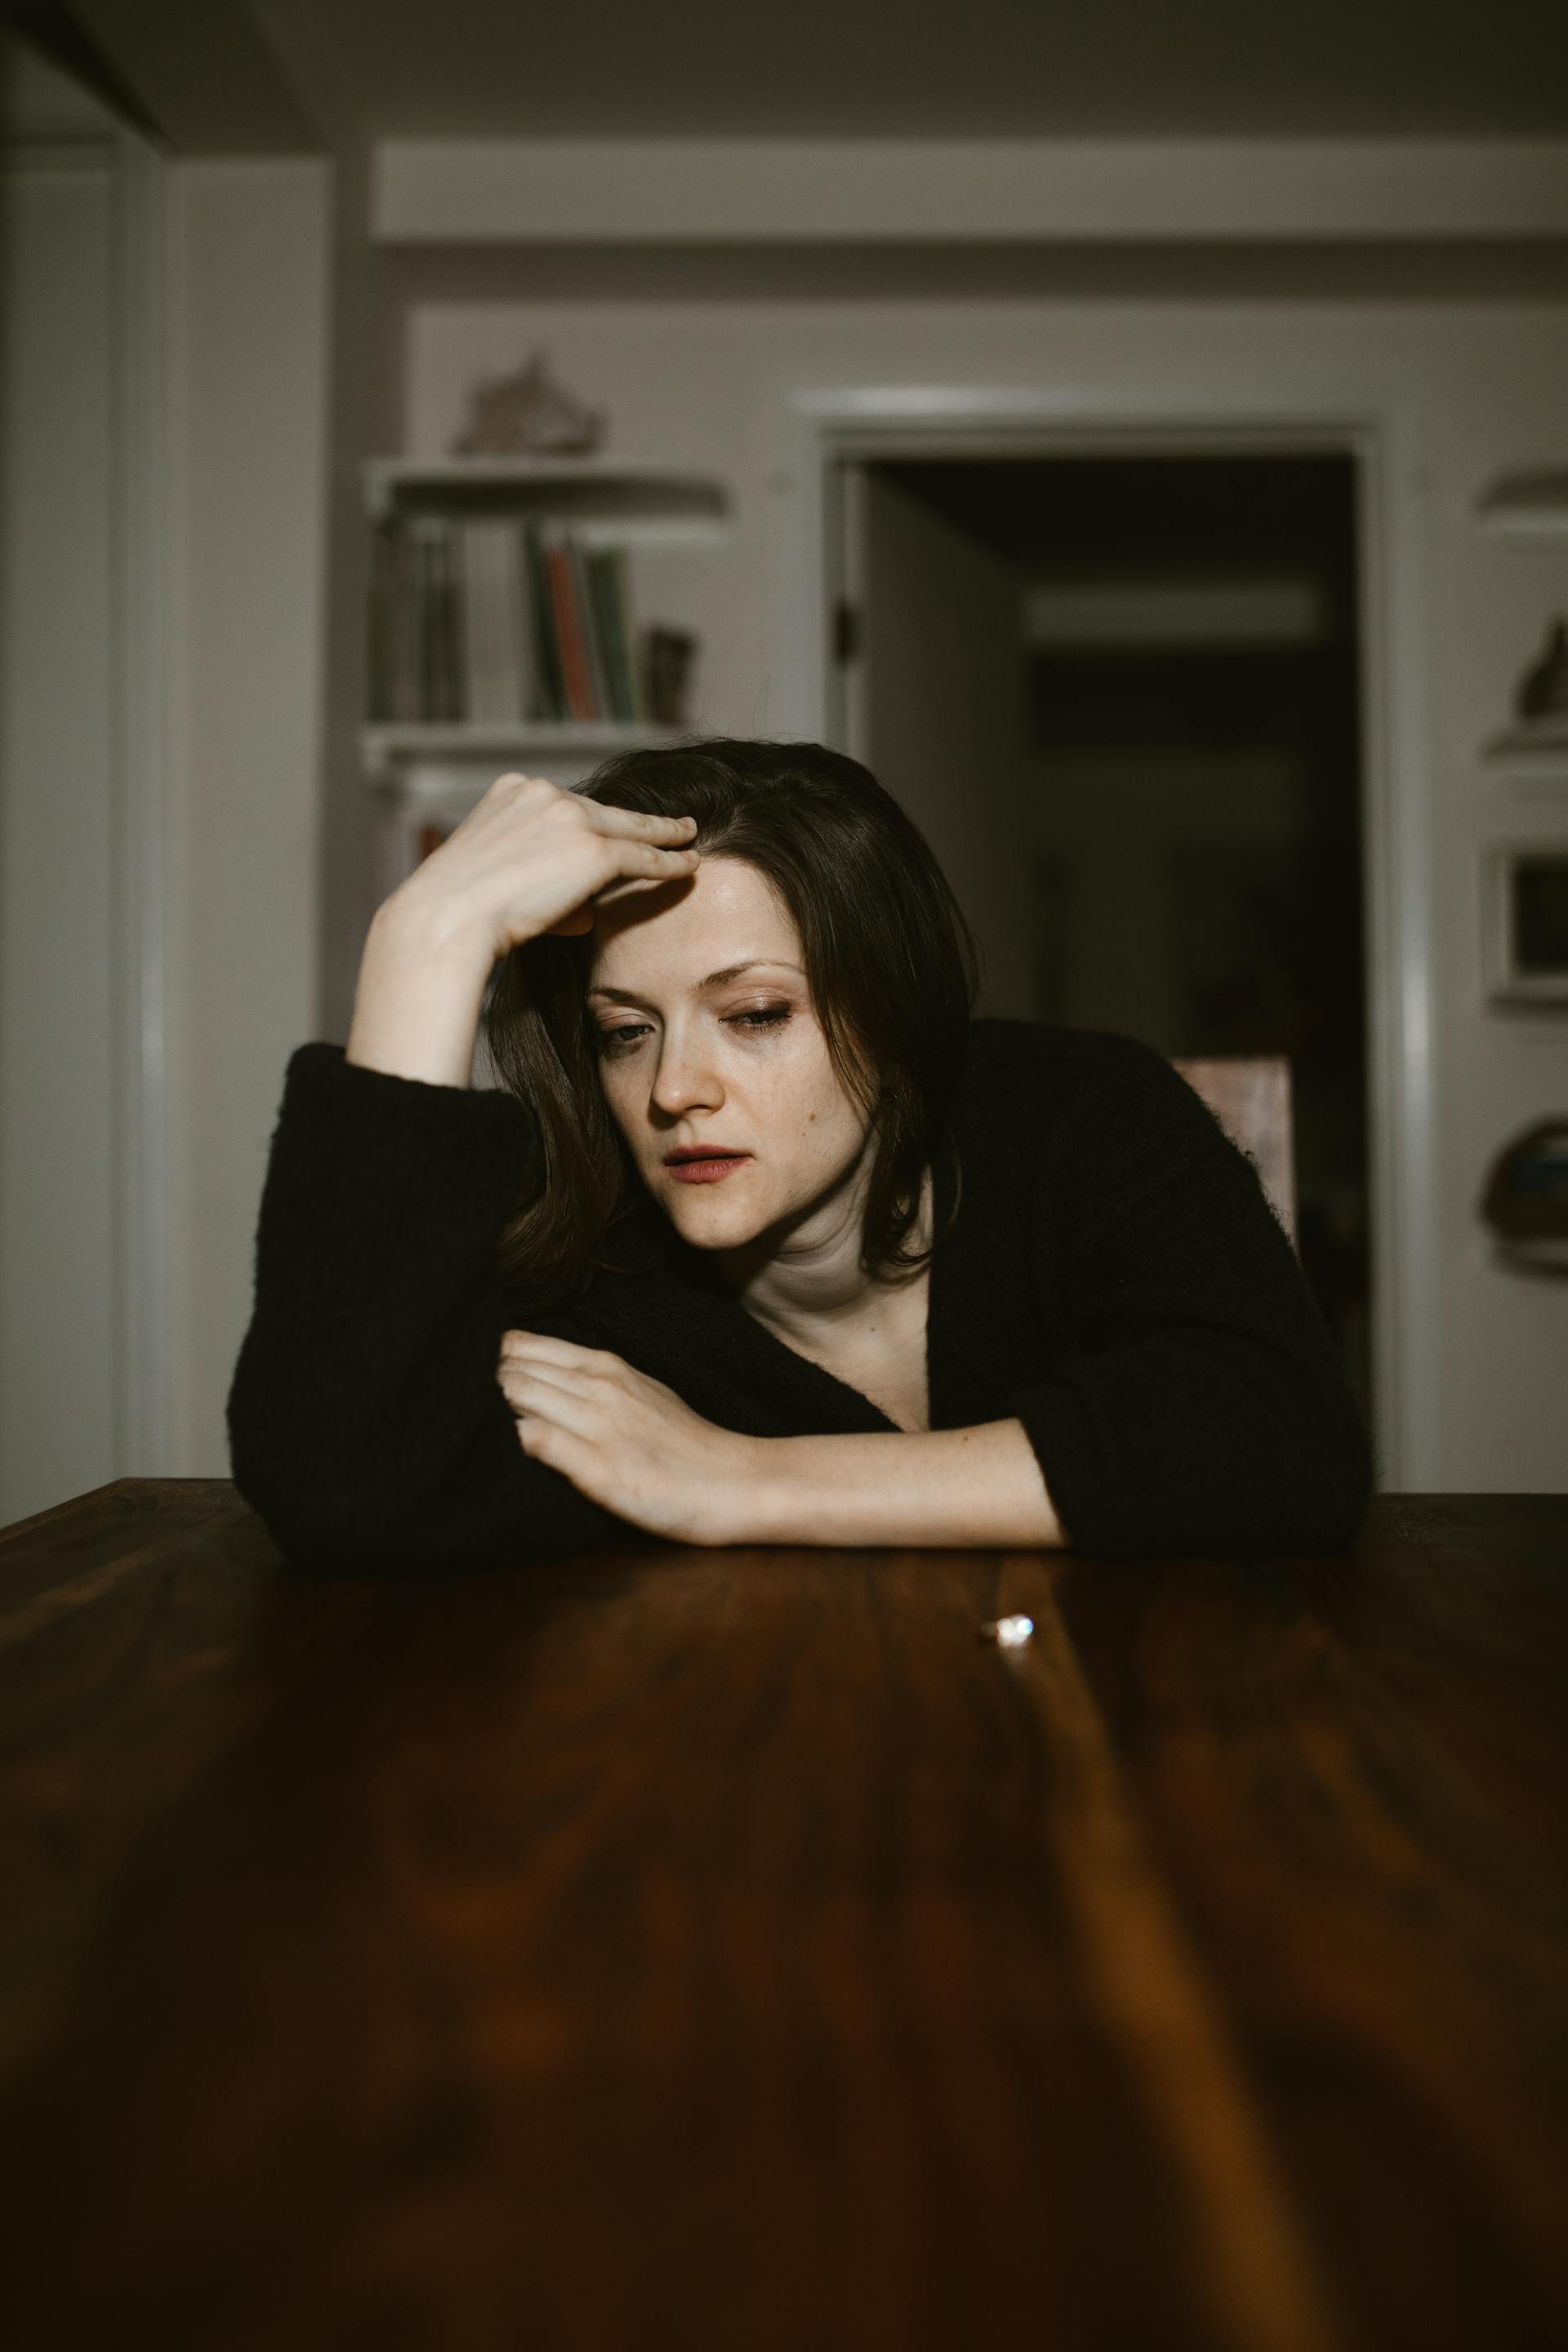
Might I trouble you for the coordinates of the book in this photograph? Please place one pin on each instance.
(453, 697)
(379, 632)
(492, 620)
(606, 581)
(438, 620)
(550, 696)
(491, 667)
(526, 628)
(576, 674)
(592, 638)
(424, 535)
(638, 705)
(410, 645)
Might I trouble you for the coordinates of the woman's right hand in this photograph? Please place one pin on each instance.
(532, 857)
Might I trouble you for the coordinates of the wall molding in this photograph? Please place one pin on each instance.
(813, 429)
(1240, 190)
(142, 849)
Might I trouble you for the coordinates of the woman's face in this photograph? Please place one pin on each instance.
(708, 1039)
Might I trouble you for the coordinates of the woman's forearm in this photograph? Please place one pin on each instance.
(943, 1487)
(421, 982)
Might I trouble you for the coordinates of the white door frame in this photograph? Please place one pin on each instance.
(814, 429)
(142, 788)
(131, 177)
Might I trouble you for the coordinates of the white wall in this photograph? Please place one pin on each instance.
(164, 404)
(249, 258)
(59, 1162)
(1474, 1394)
(348, 874)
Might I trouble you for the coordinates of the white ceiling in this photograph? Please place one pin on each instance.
(39, 102)
(835, 69)
(924, 68)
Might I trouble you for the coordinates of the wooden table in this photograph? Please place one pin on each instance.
(733, 1949)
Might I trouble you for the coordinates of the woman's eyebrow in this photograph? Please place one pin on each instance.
(714, 980)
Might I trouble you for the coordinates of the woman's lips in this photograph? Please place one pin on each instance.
(706, 1172)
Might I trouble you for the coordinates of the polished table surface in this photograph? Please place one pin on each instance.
(736, 1950)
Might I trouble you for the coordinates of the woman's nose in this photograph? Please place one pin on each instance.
(685, 1078)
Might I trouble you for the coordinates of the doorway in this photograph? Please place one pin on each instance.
(1122, 694)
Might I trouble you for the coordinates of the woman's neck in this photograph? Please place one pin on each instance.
(815, 1279)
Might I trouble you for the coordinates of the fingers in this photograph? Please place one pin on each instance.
(589, 849)
(625, 838)
(556, 1380)
(639, 825)
(604, 816)
(535, 1394)
(628, 830)
(512, 1374)
(642, 858)
(539, 1347)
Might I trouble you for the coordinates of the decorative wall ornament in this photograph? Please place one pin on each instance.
(1541, 694)
(1524, 924)
(1525, 1201)
(530, 415)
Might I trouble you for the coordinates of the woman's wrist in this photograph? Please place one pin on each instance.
(946, 1487)
(422, 980)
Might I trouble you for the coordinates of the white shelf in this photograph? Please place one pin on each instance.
(434, 770)
(385, 750)
(1532, 504)
(605, 501)
(1535, 747)
(1543, 1254)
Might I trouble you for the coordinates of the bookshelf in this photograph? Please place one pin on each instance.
(389, 751)
(556, 630)
(608, 501)
(1530, 504)
(1521, 882)
(1530, 746)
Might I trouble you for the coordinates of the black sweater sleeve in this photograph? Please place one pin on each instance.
(1202, 1407)
(366, 1425)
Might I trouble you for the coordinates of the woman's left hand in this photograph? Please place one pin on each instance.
(625, 1440)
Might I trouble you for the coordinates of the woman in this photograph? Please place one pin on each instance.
(763, 1239)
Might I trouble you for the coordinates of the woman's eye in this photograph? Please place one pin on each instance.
(622, 1039)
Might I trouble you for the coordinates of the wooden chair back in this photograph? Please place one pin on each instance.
(1249, 1094)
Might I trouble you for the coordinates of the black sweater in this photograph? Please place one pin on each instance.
(1115, 1279)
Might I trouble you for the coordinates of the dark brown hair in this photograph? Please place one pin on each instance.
(889, 961)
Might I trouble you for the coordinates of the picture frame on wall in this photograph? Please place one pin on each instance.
(1525, 924)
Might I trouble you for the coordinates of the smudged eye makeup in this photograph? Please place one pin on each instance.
(621, 1039)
